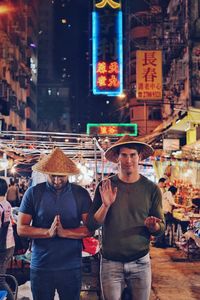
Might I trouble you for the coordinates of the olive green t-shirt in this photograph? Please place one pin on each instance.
(124, 235)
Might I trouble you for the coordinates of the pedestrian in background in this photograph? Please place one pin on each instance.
(13, 195)
(7, 243)
(51, 214)
(159, 241)
(161, 184)
(169, 203)
(128, 207)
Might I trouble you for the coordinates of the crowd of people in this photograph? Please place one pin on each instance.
(56, 215)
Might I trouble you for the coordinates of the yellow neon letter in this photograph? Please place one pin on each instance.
(112, 3)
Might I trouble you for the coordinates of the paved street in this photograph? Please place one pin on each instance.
(174, 278)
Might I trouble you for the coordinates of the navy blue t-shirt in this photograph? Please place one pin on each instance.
(55, 253)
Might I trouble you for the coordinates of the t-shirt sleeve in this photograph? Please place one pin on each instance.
(86, 201)
(26, 205)
(156, 209)
(97, 202)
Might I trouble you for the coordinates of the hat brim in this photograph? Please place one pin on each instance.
(56, 163)
(41, 170)
(112, 153)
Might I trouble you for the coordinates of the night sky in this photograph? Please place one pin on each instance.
(73, 33)
(72, 42)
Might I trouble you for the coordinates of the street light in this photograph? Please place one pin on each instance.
(4, 9)
(122, 96)
(122, 107)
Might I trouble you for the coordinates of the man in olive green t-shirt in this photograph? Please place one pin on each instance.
(129, 208)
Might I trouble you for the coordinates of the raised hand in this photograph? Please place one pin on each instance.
(152, 223)
(108, 194)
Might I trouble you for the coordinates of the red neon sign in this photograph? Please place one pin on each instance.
(107, 75)
(108, 130)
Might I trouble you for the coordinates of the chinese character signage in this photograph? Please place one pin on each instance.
(107, 48)
(118, 129)
(149, 75)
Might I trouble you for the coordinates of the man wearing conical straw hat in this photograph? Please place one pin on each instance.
(51, 214)
(128, 206)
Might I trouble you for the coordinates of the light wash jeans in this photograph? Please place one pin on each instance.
(136, 275)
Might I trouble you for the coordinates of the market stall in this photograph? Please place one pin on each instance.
(188, 233)
(20, 150)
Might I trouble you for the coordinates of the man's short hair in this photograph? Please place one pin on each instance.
(173, 189)
(3, 187)
(162, 179)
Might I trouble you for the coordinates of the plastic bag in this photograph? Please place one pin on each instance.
(91, 245)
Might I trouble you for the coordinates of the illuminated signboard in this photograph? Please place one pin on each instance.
(107, 48)
(149, 75)
(118, 129)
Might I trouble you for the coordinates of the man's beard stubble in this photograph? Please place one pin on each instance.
(128, 173)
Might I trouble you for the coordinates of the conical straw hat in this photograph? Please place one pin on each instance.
(56, 163)
(112, 153)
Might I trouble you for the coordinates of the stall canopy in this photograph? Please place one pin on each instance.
(155, 138)
(23, 149)
(184, 127)
(190, 120)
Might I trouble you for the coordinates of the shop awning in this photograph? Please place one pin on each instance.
(157, 134)
(177, 128)
(191, 120)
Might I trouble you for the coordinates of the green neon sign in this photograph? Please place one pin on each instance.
(116, 129)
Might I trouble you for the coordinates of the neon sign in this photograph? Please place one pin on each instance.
(112, 3)
(107, 75)
(107, 48)
(117, 129)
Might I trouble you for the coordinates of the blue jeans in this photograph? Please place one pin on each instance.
(136, 275)
(45, 283)
(5, 257)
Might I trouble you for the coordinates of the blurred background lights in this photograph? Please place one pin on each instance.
(64, 21)
(86, 174)
(12, 170)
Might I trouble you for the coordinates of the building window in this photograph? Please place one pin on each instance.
(155, 113)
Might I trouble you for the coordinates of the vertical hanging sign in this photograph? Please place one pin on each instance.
(107, 48)
(149, 74)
